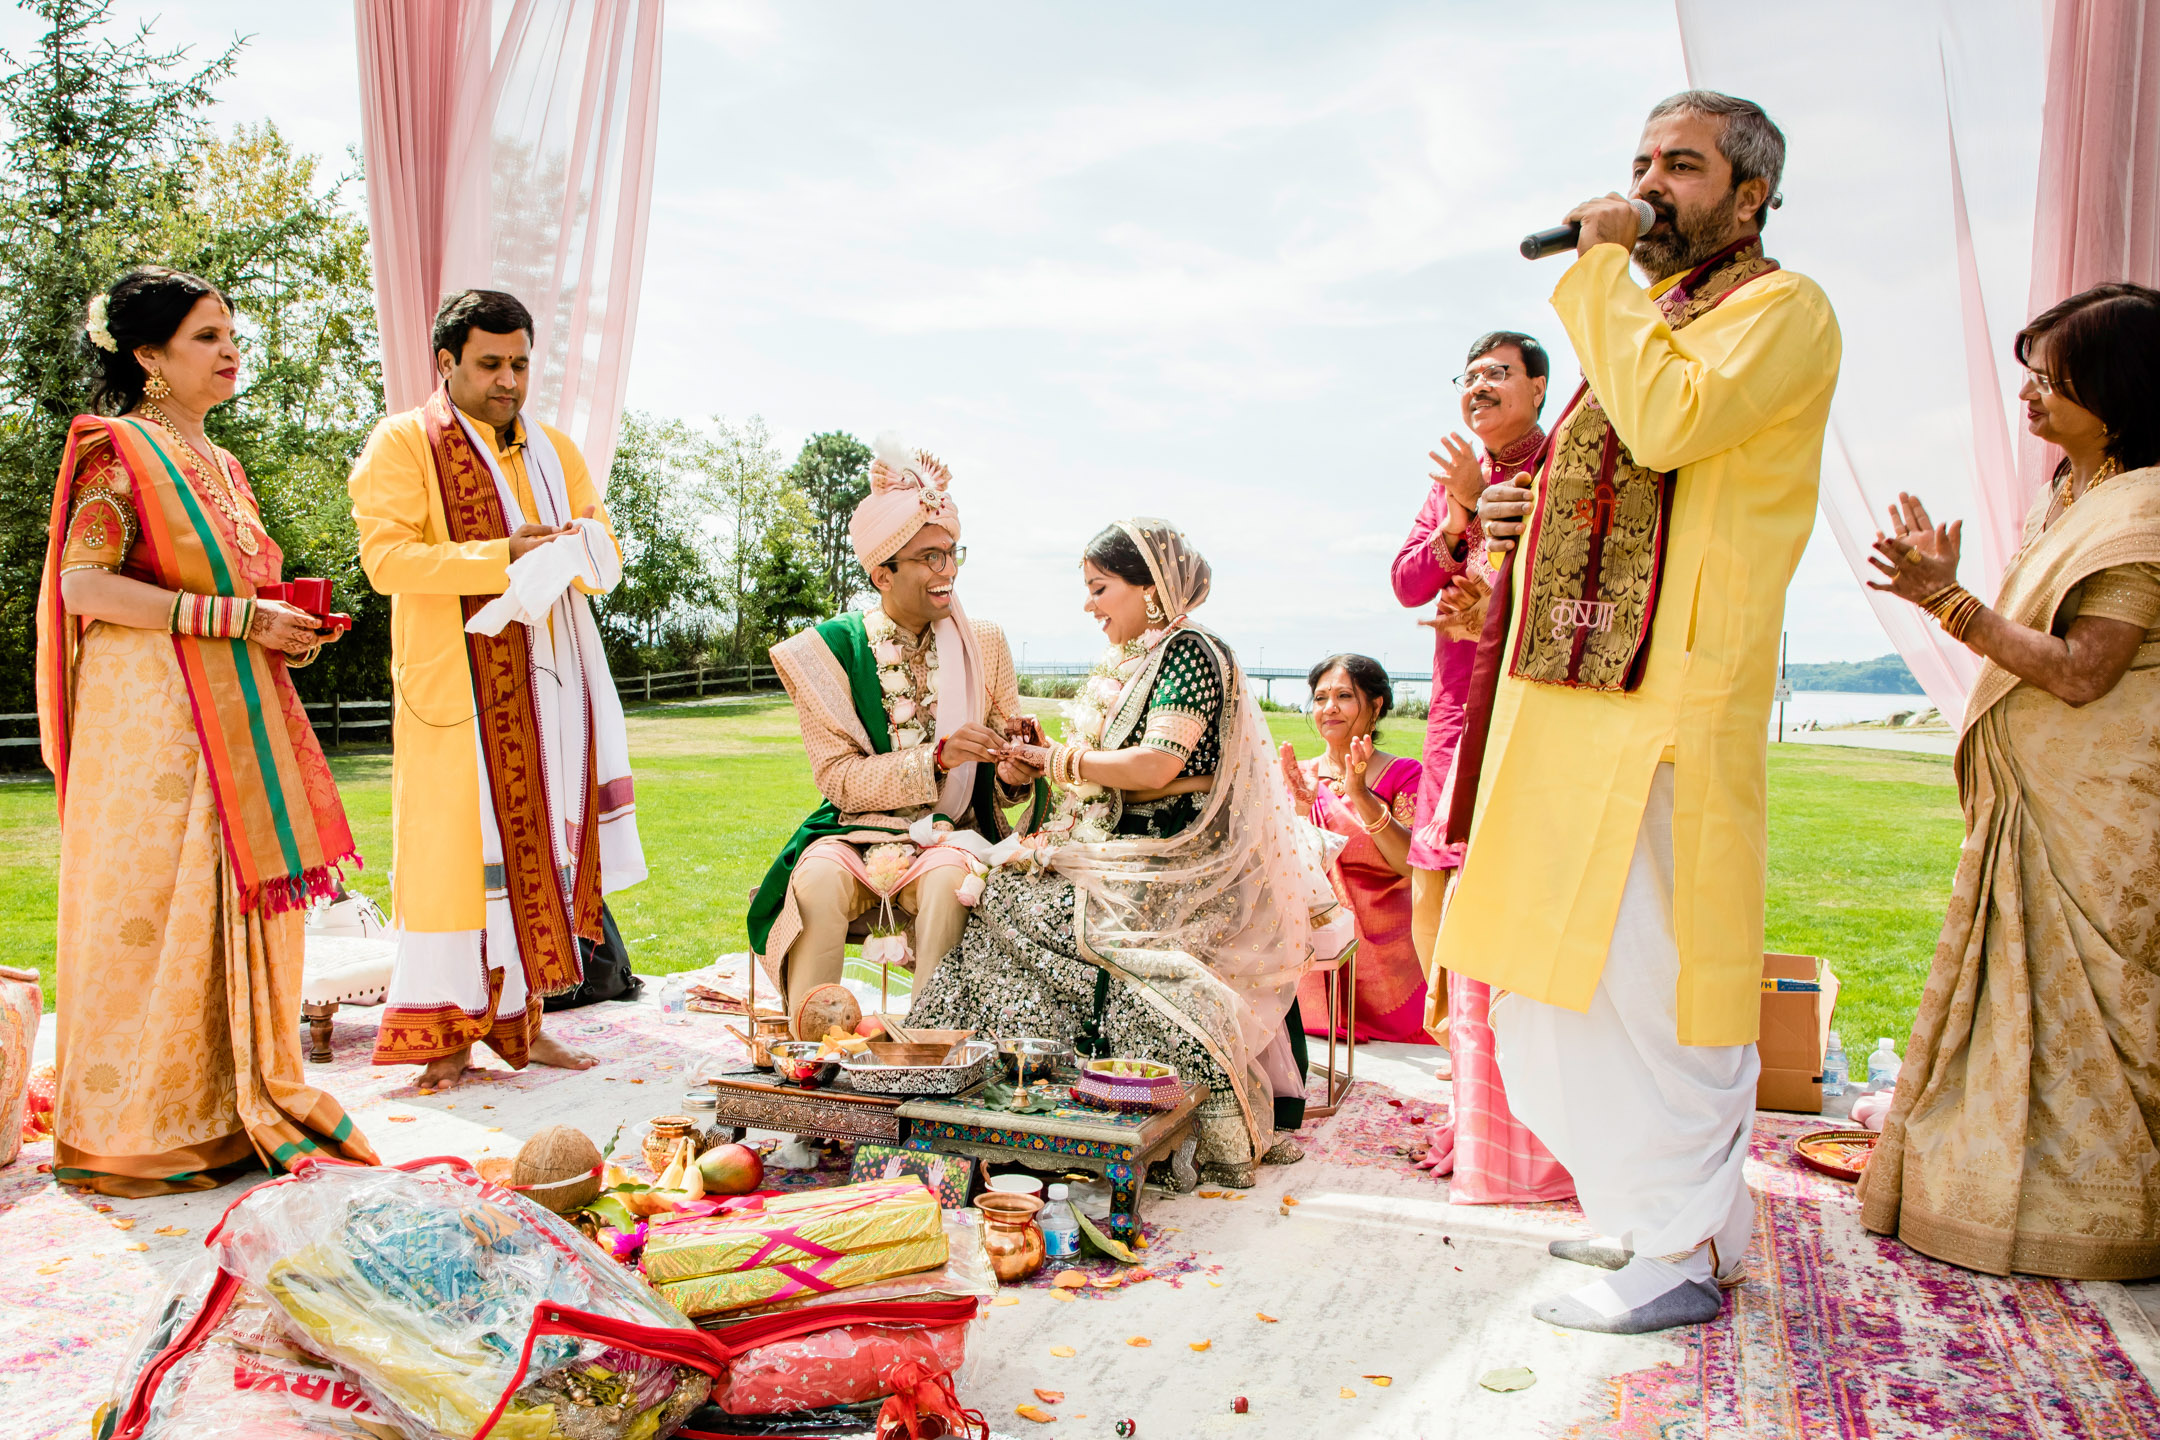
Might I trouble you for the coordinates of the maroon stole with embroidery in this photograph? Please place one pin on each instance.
(1595, 544)
(510, 743)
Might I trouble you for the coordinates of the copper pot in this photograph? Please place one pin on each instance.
(667, 1131)
(1011, 1235)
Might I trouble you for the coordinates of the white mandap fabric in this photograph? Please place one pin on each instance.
(517, 161)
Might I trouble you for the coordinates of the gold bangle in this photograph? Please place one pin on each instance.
(1946, 600)
(1387, 817)
(1960, 620)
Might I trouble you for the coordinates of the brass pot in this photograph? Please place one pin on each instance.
(1011, 1235)
(666, 1131)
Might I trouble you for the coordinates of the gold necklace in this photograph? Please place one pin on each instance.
(2109, 469)
(216, 483)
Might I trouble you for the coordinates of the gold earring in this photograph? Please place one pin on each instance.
(155, 387)
(1154, 611)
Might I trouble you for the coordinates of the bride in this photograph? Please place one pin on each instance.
(1171, 903)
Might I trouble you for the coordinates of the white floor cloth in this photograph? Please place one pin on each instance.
(1654, 1132)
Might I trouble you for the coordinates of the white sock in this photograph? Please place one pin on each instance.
(1642, 1280)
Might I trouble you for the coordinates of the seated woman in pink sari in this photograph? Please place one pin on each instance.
(1370, 798)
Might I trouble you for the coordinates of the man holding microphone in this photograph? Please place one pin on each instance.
(1613, 884)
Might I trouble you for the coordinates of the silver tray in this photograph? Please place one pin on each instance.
(874, 1079)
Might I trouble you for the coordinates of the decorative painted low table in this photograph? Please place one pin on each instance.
(1118, 1147)
(757, 1102)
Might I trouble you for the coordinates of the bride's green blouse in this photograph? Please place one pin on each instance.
(1184, 718)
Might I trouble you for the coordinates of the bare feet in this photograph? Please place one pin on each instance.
(446, 1072)
(547, 1050)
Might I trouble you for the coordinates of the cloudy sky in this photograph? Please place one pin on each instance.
(1208, 261)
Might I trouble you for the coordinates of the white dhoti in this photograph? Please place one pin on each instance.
(1654, 1132)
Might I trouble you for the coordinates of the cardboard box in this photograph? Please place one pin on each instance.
(1795, 1033)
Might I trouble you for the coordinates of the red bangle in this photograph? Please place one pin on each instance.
(937, 755)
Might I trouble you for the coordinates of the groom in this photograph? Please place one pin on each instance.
(905, 709)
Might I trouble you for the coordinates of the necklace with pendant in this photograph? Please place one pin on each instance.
(215, 483)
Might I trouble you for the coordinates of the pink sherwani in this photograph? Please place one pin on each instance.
(1491, 1156)
(1423, 566)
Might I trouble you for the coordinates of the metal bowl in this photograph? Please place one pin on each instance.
(797, 1061)
(1025, 1059)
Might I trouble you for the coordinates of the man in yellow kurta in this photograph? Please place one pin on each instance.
(511, 799)
(1614, 881)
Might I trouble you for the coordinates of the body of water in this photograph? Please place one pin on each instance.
(1838, 707)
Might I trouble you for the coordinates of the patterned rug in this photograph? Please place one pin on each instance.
(1837, 1335)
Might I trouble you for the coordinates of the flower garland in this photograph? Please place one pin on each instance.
(1083, 810)
(908, 714)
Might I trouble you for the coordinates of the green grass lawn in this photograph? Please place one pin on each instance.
(1862, 847)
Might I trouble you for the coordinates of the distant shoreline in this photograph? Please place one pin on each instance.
(1884, 675)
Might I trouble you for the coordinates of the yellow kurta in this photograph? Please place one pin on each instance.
(436, 869)
(1736, 403)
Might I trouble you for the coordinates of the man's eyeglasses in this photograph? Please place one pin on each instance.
(938, 562)
(1478, 375)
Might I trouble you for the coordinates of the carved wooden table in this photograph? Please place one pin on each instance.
(831, 1113)
(1117, 1146)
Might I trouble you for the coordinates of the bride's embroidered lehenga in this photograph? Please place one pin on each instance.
(1180, 935)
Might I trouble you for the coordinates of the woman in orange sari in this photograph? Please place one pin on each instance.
(198, 815)
(1369, 798)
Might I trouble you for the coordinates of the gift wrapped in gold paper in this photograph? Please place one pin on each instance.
(769, 1284)
(807, 1244)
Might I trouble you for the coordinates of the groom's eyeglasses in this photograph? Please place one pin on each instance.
(938, 562)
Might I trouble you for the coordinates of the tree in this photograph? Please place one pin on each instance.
(788, 591)
(96, 124)
(749, 492)
(658, 498)
(833, 473)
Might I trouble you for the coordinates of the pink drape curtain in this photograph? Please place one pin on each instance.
(2081, 206)
(521, 161)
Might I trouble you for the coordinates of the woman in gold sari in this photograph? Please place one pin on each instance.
(197, 813)
(2025, 1132)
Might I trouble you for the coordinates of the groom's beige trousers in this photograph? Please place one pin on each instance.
(829, 898)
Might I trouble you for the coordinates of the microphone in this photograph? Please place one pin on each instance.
(1561, 238)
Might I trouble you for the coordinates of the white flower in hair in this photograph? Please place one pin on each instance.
(98, 325)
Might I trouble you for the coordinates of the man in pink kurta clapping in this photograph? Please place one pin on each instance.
(1443, 564)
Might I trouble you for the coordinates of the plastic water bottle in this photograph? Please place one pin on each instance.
(674, 995)
(1882, 1066)
(1834, 1068)
(1061, 1232)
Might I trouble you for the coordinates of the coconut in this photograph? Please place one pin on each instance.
(824, 1008)
(559, 1167)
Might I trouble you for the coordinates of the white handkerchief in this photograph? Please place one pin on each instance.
(539, 577)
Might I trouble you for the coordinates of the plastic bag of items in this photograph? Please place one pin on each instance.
(454, 1307)
(907, 1337)
(231, 1374)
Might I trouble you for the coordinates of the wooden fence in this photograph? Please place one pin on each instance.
(333, 719)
